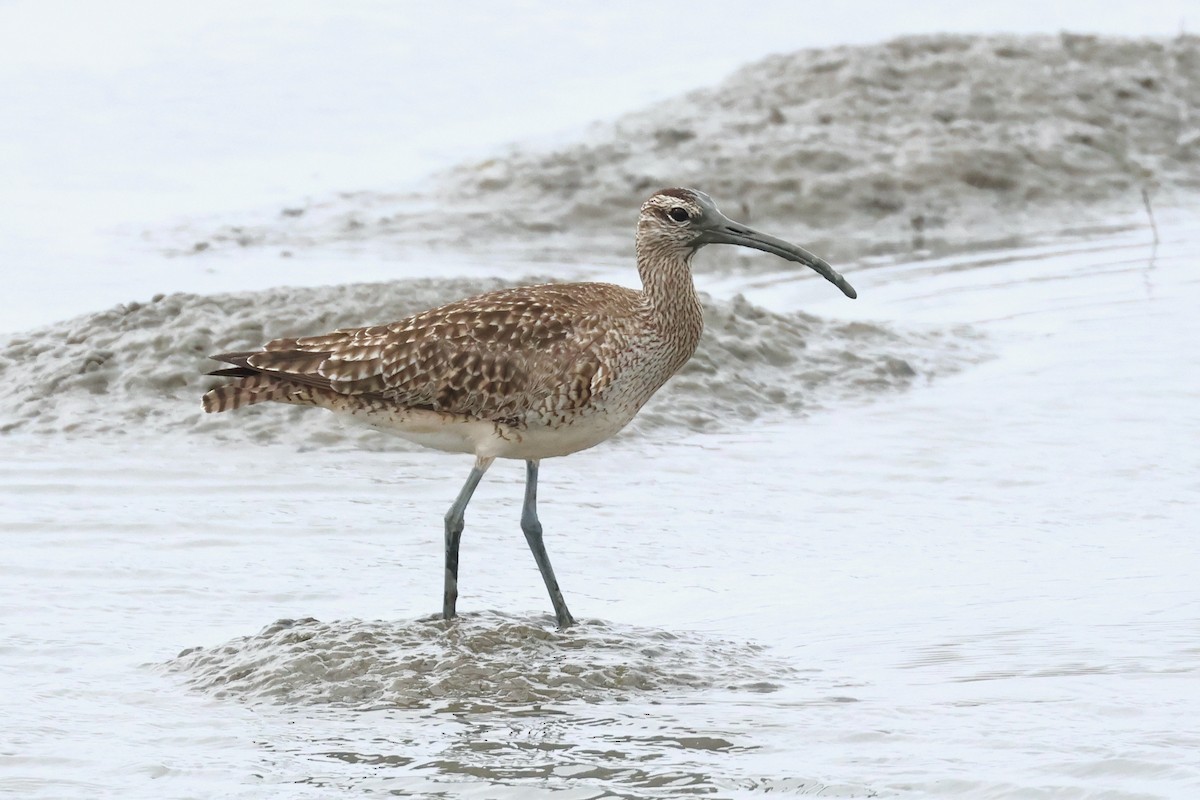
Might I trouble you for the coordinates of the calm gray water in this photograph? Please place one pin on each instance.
(984, 587)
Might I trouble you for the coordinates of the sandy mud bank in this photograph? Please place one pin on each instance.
(138, 368)
(926, 143)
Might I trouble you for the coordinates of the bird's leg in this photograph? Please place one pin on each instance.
(533, 535)
(454, 529)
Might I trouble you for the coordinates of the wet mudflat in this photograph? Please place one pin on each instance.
(983, 585)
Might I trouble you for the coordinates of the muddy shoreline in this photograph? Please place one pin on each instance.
(920, 145)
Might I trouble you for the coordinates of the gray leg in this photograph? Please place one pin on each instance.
(454, 529)
(533, 535)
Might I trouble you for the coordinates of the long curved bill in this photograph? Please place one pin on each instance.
(725, 231)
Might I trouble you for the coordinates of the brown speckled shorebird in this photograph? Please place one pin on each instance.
(528, 373)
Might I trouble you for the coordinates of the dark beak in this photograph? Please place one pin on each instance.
(722, 230)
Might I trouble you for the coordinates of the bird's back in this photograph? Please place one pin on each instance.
(535, 355)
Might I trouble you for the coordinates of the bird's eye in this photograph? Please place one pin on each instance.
(678, 214)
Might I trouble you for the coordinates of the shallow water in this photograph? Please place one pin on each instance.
(983, 587)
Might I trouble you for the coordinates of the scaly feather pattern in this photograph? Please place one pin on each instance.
(516, 356)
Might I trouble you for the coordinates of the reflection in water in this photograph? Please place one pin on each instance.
(567, 755)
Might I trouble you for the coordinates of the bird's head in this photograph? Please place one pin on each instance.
(681, 221)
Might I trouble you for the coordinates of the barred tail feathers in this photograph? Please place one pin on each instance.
(252, 389)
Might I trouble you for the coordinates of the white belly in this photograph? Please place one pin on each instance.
(454, 434)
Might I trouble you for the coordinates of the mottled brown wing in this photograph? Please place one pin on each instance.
(493, 356)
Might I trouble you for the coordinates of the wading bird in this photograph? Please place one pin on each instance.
(527, 373)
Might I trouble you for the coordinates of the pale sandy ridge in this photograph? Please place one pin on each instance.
(922, 144)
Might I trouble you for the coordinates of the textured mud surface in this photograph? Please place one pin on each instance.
(139, 369)
(922, 143)
(478, 662)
